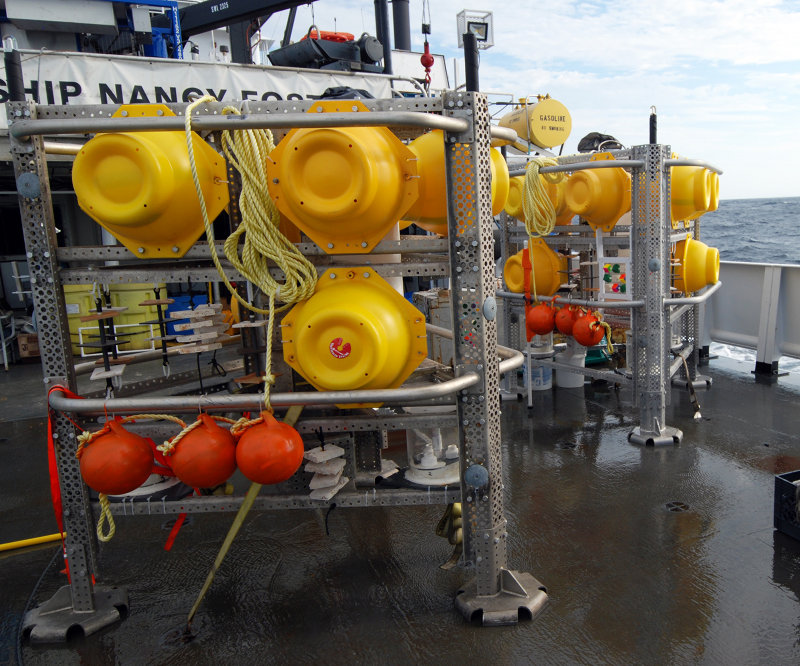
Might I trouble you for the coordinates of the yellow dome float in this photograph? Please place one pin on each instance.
(546, 123)
(549, 270)
(138, 186)
(600, 196)
(355, 332)
(555, 191)
(429, 211)
(690, 192)
(345, 187)
(698, 265)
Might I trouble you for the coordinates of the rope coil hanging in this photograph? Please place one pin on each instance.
(260, 238)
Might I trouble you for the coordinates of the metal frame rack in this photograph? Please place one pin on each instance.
(658, 360)
(496, 593)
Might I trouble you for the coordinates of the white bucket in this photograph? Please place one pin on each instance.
(574, 354)
(541, 375)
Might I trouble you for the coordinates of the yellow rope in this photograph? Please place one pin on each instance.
(261, 240)
(105, 515)
(168, 448)
(607, 328)
(539, 212)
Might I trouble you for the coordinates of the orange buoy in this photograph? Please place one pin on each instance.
(269, 452)
(206, 456)
(588, 330)
(565, 318)
(541, 319)
(116, 461)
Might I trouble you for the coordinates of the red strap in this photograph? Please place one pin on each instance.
(174, 531)
(526, 288)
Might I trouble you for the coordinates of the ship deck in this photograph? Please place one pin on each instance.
(649, 555)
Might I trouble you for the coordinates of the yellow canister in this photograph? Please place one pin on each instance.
(600, 196)
(549, 270)
(138, 186)
(345, 187)
(555, 192)
(355, 332)
(429, 211)
(545, 123)
(698, 265)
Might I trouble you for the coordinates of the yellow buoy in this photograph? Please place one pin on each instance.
(690, 192)
(698, 265)
(355, 332)
(545, 123)
(429, 211)
(138, 186)
(600, 196)
(345, 187)
(549, 269)
(555, 192)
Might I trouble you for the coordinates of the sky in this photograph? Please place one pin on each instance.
(724, 76)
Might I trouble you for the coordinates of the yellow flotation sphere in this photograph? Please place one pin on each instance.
(555, 192)
(138, 186)
(345, 187)
(698, 265)
(355, 332)
(549, 270)
(429, 211)
(600, 196)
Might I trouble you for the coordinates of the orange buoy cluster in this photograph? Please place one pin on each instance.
(586, 327)
(115, 461)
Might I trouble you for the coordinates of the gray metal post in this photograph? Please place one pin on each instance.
(80, 603)
(495, 594)
(651, 328)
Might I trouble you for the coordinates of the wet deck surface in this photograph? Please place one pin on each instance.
(662, 555)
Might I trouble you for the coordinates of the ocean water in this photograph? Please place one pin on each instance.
(759, 231)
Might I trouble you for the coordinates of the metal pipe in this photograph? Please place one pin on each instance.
(471, 61)
(26, 128)
(693, 300)
(689, 162)
(16, 82)
(384, 35)
(504, 134)
(684, 353)
(402, 29)
(512, 359)
(577, 301)
(287, 33)
(600, 164)
(56, 148)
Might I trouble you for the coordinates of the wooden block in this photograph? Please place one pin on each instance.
(333, 466)
(319, 454)
(197, 313)
(197, 337)
(196, 349)
(249, 380)
(320, 480)
(251, 324)
(158, 301)
(102, 373)
(203, 324)
(325, 494)
(105, 314)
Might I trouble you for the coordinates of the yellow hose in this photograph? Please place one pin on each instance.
(24, 543)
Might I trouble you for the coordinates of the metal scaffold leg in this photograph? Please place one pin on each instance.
(56, 619)
(496, 593)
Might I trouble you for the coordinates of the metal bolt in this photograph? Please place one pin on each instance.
(451, 103)
(465, 422)
(140, 250)
(55, 435)
(474, 269)
(458, 269)
(458, 243)
(124, 113)
(354, 108)
(486, 535)
(497, 540)
(363, 243)
(319, 109)
(481, 398)
(175, 249)
(333, 276)
(469, 498)
(474, 243)
(464, 399)
(160, 112)
(276, 181)
(33, 280)
(30, 255)
(485, 498)
(46, 254)
(480, 366)
(479, 559)
(366, 274)
(482, 421)
(67, 512)
(330, 246)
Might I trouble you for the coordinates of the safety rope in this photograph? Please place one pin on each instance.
(538, 209)
(168, 447)
(260, 237)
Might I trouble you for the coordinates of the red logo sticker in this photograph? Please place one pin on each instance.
(338, 350)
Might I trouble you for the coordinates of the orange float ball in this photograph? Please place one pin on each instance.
(269, 452)
(541, 319)
(565, 318)
(587, 330)
(206, 456)
(116, 462)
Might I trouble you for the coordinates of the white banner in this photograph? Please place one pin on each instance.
(88, 78)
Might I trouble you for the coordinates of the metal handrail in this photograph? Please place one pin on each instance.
(22, 129)
(681, 161)
(577, 301)
(692, 300)
(512, 359)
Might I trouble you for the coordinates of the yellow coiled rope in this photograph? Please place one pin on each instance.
(540, 214)
(261, 240)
